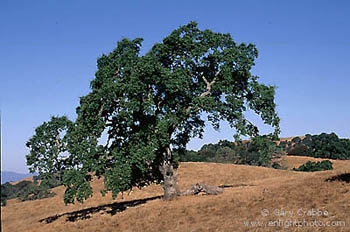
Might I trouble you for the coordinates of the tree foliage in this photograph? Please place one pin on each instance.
(25, 191)
(310, 166)
(260, 151)
(48, 148)
(324, 145)
(149, 107)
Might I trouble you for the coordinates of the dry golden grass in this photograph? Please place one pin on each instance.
(25, 179)
(267, 189)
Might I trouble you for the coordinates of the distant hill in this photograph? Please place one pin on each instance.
(13, 176)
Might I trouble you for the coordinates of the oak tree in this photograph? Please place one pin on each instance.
(148, 106)
(48, 148)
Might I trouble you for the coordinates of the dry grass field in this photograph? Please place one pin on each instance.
(279, 200)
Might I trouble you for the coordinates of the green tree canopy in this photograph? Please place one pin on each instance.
(150, 106)
(48, 148)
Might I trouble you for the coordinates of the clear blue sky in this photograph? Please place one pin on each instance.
(48, 52)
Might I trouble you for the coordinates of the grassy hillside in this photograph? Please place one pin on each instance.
(255, 189)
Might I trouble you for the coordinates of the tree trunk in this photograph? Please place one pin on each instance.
(171, 189)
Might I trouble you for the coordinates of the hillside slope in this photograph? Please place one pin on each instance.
(255, 189)
(7, 176)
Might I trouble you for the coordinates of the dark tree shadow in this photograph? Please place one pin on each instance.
(345, 177)
(112, 208)
(108, 208)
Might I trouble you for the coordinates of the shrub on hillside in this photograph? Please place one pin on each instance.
(299, 149)
(315, 166)
(225, 154)
(285, 144)
(276, 165)
(191, 156)
(26, 190)
(35, 193)
(208, 151)
(3, 196)
(328, 146)
(296, 140)
(259, 152)
(50, 181)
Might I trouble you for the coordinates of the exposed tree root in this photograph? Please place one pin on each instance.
(209, 190)
(198, 188)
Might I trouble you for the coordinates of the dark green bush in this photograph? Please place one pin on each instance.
(50, 181)
(263, 150)
(284, 144)
(226, 143)
(27, 190)
(296, 140)
(315, 166)
(3, 196)
(258, 152)
(299, 149)
(276, 165)
(328, 146)
(225, 154)
(35, 193)
(192, 156)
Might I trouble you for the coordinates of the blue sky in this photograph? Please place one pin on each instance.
(48, 52)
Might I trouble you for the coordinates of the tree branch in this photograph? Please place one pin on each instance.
(209, 85)
(209, 190)
(99, 114)
(58, 145)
